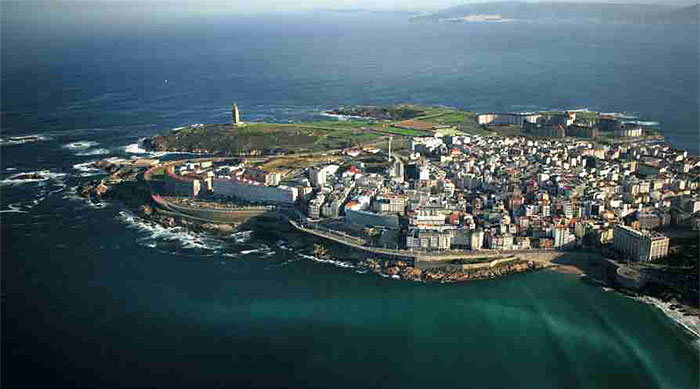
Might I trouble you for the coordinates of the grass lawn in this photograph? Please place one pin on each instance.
(225, 139)
(509, 130)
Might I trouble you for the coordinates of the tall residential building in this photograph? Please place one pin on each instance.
(639, 246)
(314, 210)
(396, 171)
(562, 237)
(390, 203)
(476, 240)
(318, 177)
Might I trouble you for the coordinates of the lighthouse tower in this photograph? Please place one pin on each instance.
(235, 115)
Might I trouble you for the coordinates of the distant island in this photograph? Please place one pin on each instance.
(572, 11)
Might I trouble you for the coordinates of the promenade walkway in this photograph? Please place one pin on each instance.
(415, 255)
(351, 241)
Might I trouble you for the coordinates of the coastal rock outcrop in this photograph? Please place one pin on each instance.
(407, 272)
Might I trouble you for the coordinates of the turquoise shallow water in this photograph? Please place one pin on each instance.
(94, 298)
(163, 316)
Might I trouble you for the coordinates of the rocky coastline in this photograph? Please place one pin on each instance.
(404, 271)
(124, 185)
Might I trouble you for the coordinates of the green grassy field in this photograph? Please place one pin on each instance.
(267, 137)
(509, 130)
(465, 121)
(319, 135)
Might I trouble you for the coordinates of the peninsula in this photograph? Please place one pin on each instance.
(441, 194)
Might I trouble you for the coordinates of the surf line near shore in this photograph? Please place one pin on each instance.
(689, 321)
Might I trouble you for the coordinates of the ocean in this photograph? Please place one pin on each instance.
(93, 296)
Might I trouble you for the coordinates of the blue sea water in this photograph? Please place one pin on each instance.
(94, 297)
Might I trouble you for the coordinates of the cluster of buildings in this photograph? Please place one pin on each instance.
(566, 124)
(487, 192)
(235, 182)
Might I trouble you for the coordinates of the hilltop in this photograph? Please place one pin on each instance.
(367, 125)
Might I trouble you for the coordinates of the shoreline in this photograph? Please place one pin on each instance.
(688, 321)
(574, 263)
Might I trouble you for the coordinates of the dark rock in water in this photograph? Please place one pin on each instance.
(169, 222)
(93, 189)
(85, 189)
(407, 272)
(218, 228)
(28, 176)
(146, 210)
(101, 189)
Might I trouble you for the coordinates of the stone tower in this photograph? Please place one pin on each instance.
(234, 115)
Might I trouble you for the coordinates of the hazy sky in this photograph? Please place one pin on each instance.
(217, 6)
(96, 12)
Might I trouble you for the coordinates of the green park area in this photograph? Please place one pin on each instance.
(264, 138)
(311, 136)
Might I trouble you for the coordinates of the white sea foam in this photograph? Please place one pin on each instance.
(342, 264)
(690, 322)
(92, 152)
(13, 208)
(72, 194)
(87, 169)
(160, 234)
(20, 140)
(283, 245)
(97, 205)
(343, 118)
(262, 249)
(43, 175)
(80, 145)
(242, 236)
(61, 187)
(196, 125)
(135, 148)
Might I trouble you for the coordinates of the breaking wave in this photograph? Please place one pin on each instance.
(29, 177)
(283, 245)
(139, 150)
(164, 237)
(80, 145)
(87, 169)
(242, 236)
(135, 148)
(333, 262)
(690, 322)
(13, 208)
(343, 118)
(20, 140)
(93, 152)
